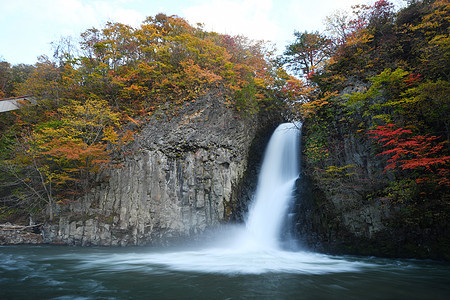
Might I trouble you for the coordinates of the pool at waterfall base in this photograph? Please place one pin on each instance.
(244, 262)
(59, 272)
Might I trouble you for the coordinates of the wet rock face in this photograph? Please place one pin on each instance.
(183, 178)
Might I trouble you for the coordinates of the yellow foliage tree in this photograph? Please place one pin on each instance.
(62, 154)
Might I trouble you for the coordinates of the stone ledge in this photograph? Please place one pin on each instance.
(16, 235)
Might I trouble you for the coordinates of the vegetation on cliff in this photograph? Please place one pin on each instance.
(93, 96)
(385, 88)
(372, 91)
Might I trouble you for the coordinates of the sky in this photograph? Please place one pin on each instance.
(28, 27)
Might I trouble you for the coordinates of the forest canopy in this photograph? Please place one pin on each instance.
(92, 97)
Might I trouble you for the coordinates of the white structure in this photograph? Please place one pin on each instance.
(8, 104)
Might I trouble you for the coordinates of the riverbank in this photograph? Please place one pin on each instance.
(11, 234)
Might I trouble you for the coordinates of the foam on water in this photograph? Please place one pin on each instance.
(229, 261)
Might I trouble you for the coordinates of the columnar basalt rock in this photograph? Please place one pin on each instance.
(346, 214)
(337, 213)
(183, 178)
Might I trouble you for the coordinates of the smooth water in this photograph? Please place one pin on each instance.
(56, 272)
(245, 262)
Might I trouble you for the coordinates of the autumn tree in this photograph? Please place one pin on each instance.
(5, 74)
(411, 152)
(12, 76)
(307, 53)
(433, 39)
(117, 77)
(45, 82)
(55, 160)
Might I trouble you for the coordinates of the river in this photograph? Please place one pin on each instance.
(245, 261)
(58, 272)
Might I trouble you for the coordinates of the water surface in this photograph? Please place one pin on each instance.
(57, 272)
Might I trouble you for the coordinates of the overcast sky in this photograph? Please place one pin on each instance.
(27, 27)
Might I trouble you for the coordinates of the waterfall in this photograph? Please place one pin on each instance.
(276, 183)
(254, 248)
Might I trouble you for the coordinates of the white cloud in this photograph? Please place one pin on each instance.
(268, 20)
(249, 17)
(29, 26)
(113, 12)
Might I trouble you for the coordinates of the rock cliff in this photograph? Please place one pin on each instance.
(347, 212)
(183, 178)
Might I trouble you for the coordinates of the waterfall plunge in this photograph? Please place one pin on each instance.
(276, 182)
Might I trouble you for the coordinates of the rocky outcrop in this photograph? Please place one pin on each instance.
(16, 234)
(183, 178)
(347, 213)
(341, 209)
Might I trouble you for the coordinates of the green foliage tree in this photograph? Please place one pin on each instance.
(307, 53)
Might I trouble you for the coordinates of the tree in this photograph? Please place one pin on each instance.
(5, 76)
(337, 25)
(120, 74)
(414, 152)
(434, 44)
(12, 76)
(307, 53)
(55, 160)
(44, 82)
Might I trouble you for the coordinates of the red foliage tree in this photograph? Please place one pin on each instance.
(414, 152)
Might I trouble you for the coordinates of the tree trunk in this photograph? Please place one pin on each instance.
(50, 210)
